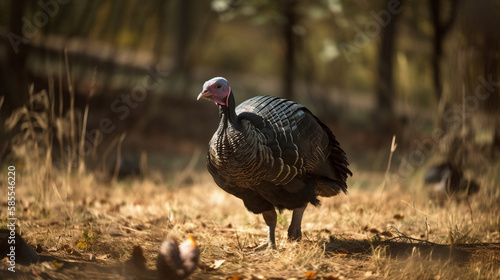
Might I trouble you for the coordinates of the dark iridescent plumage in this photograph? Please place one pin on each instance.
(273, 153)
(277, 154)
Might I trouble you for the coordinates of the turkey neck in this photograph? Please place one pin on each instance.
(227, 113)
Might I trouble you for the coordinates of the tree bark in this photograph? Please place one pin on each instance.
(182, 36)
(440, 31)
(437, 45)
(290, 14)
(385, 84)
(161, 32)
(14, 78)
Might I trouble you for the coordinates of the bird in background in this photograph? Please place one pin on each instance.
(273, 154)
(177, 262)
(447, 180)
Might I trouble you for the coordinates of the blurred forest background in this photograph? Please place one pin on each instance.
(116, 81)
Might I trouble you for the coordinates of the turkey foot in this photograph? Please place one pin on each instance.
(270, 218)
(294, 231)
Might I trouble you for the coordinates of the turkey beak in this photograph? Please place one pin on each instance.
(203, 94)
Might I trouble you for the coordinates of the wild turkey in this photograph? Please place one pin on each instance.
(448, 181)
(176, 262)
(273, 153)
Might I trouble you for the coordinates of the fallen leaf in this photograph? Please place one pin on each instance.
(102, 257)
(399, 216)
(341, 255)
(330, 277)
(310, 275)
(235, 277)
(374, 230)
(54, 265)
(57, 265)
(217, 264)
(35, 272)
(387, 234)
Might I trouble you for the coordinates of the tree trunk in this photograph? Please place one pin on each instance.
(385, 85)
(15, 76)
(290, 14)
(183, 36)
(437, 44)
(440, 31)
(161, 32)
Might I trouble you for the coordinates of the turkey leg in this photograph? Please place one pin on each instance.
(294, 231)
(270, 218)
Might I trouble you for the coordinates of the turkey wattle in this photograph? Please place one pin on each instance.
(273, 153)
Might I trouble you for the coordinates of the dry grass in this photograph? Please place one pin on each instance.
(348, 237)
(389, 232)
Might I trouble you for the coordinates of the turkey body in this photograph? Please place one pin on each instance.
(273, 153)
(276, 153)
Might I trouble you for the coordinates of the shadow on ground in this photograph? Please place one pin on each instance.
(458, 253)
(50, 267)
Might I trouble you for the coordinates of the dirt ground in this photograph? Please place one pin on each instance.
(86, 228)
